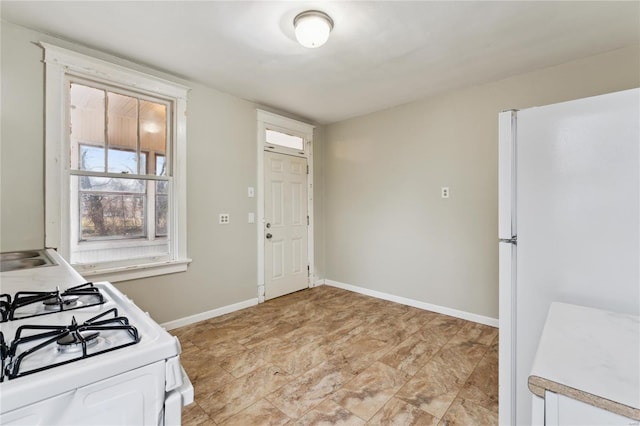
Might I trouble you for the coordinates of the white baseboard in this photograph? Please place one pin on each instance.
(181, 322)
(493, 322)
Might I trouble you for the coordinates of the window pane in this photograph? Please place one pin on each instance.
(162, 208)
(111, 207)
(143, 163)
(87, 127)
(282, 139)
(107, 184)
(91, 158)
(112, 215)
(153, 130)
(161, 165)
(123, 133)
(126, 162)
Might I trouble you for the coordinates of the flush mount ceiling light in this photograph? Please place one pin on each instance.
(312, 28)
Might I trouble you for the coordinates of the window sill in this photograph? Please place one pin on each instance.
(133, 272)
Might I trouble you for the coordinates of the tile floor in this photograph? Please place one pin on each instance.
(326, 356)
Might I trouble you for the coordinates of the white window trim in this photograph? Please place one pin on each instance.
(268, 120)
(59, 63)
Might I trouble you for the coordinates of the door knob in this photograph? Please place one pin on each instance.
(269, 236)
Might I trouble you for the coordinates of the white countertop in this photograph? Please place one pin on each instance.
(42, 278)
(590, 355)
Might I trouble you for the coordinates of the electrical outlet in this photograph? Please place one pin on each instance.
(223, 219)
(444, 192)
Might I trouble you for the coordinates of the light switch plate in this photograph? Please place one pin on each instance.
(444, 192)
(223, 219)
(251, 192)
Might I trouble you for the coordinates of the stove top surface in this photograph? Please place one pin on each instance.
(85, 339)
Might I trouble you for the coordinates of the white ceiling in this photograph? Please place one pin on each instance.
(380, 54)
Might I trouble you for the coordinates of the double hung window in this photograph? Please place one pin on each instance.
(115, 167)
(119, 181)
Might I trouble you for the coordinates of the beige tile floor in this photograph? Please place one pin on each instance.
(326, 356)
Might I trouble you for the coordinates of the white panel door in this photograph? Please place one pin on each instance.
(285, 207)
(578, 188)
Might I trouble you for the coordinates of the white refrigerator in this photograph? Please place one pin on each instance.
(569, 223)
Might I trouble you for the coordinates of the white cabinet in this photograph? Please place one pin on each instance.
(556, 410)
(537, 411)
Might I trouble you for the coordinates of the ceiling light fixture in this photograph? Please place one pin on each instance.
(312, 28)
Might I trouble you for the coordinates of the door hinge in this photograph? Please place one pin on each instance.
(307, 220)
(308, 271)
(307, 169)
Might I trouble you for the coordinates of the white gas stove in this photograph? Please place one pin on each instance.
(78, 353)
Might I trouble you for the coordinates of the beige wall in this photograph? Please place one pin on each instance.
(377, 181)
(221, 158)
(386, 227)
(318, 201)
(21, 142)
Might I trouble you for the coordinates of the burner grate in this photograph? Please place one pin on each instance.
(5, 307)
(77, 297)
(3, 355)
(82, 334)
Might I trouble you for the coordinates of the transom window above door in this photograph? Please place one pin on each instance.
(275, 137)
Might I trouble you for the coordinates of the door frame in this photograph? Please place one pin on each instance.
(268, 120)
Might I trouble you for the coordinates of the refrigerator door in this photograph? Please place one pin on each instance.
(507, 122)
(506, 175)
(578, 198)
(507, 337)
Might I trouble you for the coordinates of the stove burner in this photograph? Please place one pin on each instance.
(79, 338)
(53, 303)
(34, 303)
(72, 342)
